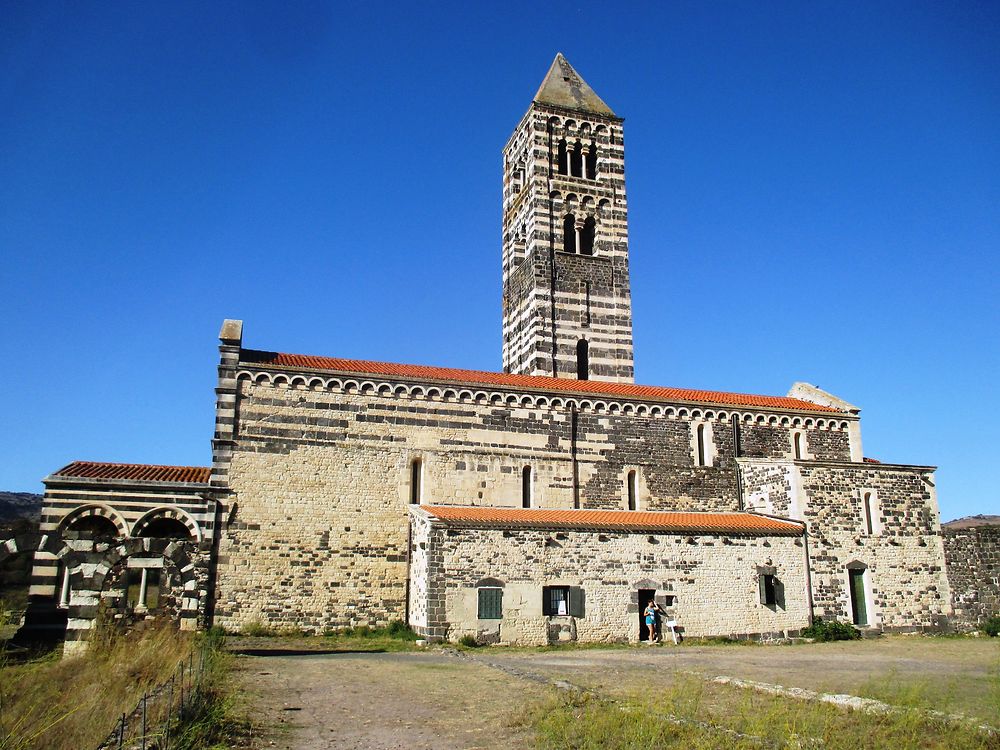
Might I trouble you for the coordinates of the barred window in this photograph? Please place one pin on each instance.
(490, 604)
(555, 600)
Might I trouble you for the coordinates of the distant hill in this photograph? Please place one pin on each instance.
(970, 521)
(20, 506)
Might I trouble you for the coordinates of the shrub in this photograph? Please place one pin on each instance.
(256, 630)
(992, 626)
(833, 630)
(469, 641)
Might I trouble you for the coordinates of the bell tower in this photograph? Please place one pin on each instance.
(567, 305)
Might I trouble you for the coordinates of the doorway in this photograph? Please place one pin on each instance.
(644, 596)
(859, 613)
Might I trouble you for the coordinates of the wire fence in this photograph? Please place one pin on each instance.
(154, 722)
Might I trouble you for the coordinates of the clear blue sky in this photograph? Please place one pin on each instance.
(814, 195)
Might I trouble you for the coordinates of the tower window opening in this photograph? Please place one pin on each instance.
(562, 160)
(526, 487)
(416, 477)
(569, 233)
(582, 360)
(700, 440)
(592, 162)
(576, 160)
(587, 236)
(630, 484)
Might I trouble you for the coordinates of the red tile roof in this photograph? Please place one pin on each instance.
(139, 472)
(613, 520)
(536, 382)
(870, 460)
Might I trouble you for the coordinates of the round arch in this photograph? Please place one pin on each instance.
(91, 510)
(167, 513)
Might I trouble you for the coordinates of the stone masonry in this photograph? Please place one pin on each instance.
(565, 236)
(708, 583)
(973, 564)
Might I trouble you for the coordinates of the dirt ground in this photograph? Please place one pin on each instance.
(436, 699)
(384, 701)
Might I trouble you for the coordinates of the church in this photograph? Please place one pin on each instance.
(548, 502)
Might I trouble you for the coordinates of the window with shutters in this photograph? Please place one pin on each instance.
(490, 604)
(561, 601)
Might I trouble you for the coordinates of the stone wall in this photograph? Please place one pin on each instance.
(709, 583)
(973, 559)
(904, 556)
(319, 479)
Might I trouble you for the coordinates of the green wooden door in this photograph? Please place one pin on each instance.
(858, 611)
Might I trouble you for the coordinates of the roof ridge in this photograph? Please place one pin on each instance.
(130, 463)
(544, 382)
(135, 472)
(715, 522)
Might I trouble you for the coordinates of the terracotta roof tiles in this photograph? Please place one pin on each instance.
(536, 382)
(137, 472)
(613, 520)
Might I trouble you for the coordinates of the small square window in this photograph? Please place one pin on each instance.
(490, 604)
(555, 600)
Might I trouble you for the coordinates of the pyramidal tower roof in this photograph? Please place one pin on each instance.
(563, 87)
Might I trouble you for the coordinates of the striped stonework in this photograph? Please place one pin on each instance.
(565, 237)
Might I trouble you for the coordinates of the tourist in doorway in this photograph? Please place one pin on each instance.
(652, 614)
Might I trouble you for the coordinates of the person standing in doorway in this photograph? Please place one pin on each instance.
(652, 614)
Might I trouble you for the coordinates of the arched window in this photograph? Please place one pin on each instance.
(700, 440)
(576, 160)
(630, 484)
(562, 162)
(867, 501)
(416, 478)
(569, 233)
(526, 487)
(587, 236)
(798, 446)
(582, 360)
(92, 527)
(592, 161)
(164, 527)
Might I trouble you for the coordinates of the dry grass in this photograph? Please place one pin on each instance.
(73, 704)
(695, 714)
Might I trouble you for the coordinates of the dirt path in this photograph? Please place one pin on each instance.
(404, 701)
